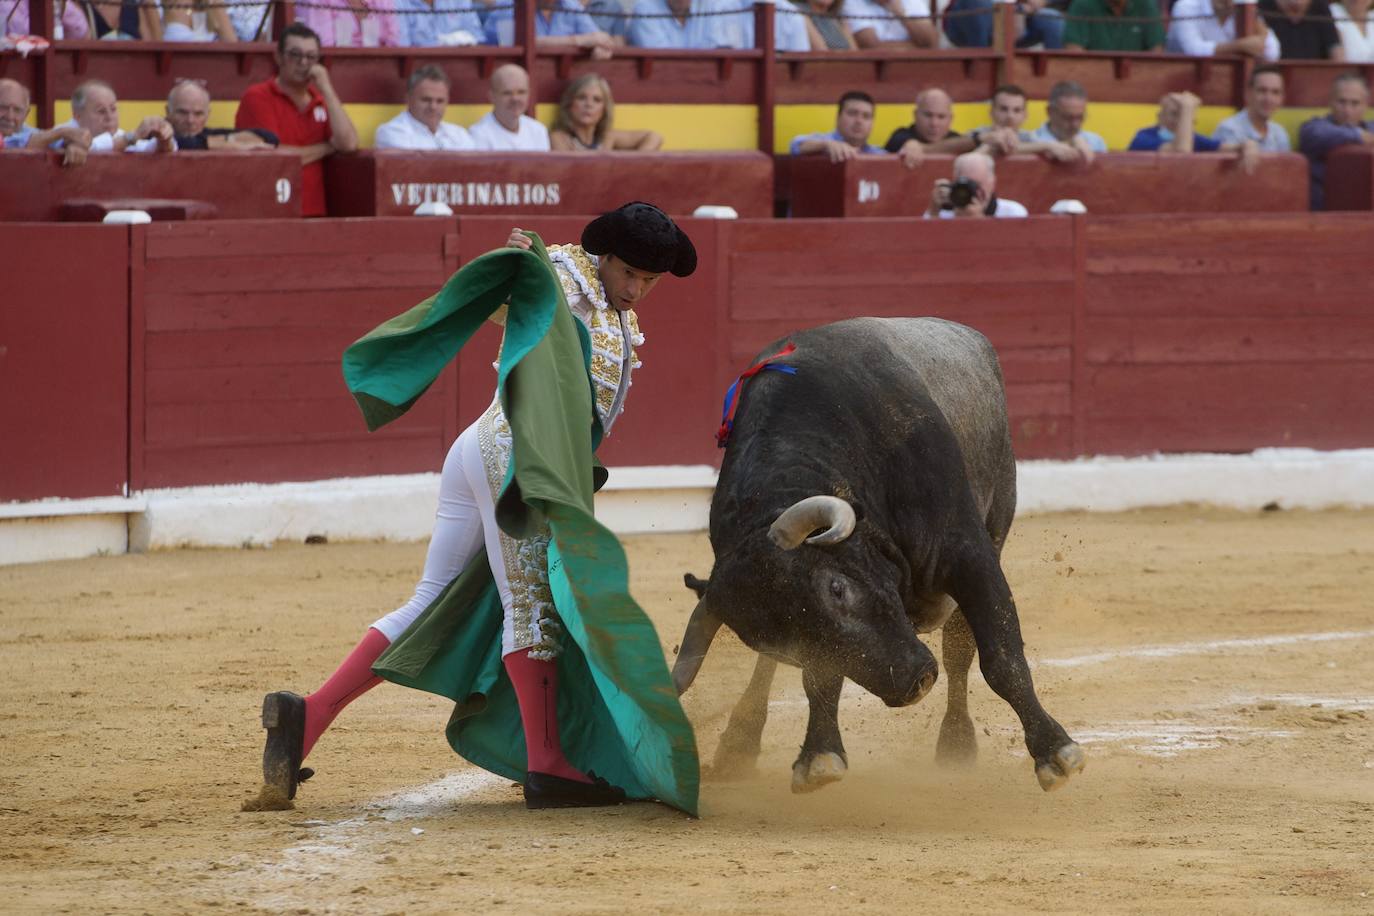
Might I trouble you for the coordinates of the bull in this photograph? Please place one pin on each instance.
(863, 501)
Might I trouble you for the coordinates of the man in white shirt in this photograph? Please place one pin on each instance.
(1263, 97)
(506, 126)
(422, 126)
(96, 109)
(1204, 28)
(873, 24)
(972, 193)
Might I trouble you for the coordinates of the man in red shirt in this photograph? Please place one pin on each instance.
(301, 107)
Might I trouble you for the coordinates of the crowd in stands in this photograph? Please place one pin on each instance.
(1287, 29)
(299, 110)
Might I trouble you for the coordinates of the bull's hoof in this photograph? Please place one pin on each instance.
(733, 764)
(958, 744)
(1065, 762)
(820, 770)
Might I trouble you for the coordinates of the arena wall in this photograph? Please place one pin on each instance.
(204, 354)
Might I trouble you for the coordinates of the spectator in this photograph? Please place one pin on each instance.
(195, 20)
(891, 23)
(975, 181)
(252, 21)
(853, 124)
(557, 24)
(1355, 25)
(829, 31)
(438, 23)
(1113, 25)
(586, 121)
(1263, 97)
(422, 124)
(352, 23)
(96, 111)
(968, 24)
(612, 17)
(71, 19)
(688, 24)
(506, 126)
(792, 30)
(1176, 132)
(1344, 126)
(128, 20)
(1067, 109)
(15, 134)
(1005, 136)
(1304, 28)
(929, 132)
(1204, 28)
(188, 108)
(301, 107)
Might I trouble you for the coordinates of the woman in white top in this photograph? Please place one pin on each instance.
(1355, 24)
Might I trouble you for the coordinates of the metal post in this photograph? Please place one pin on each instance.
(283, 14)
(1004, 36)
(1247, 23)
(766, 41)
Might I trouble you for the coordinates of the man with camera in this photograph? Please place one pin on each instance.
(972, 193)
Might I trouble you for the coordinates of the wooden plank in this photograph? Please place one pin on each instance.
(251, 347)
(323, 270)
(276, 462)
(273, 238)
(1238, 339)
(358, 310)
(300, 419)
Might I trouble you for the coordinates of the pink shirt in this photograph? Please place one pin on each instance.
(73, 20)
(338, 27)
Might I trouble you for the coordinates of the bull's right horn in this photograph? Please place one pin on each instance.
(800, 519)
(701, 629)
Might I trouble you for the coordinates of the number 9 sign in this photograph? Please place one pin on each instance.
(283, 190)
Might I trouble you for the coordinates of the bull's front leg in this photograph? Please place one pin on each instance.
(738, 749)
(958, 745)
(985, 600)
(822, 759)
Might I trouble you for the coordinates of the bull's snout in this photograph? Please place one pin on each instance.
(923, 684)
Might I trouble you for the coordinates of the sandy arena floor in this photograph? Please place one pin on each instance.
(1217, 667)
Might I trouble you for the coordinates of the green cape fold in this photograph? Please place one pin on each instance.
(618, 711)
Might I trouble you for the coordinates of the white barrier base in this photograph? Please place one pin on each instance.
(637, 501)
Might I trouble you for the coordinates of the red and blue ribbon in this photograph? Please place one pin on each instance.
(736, 390)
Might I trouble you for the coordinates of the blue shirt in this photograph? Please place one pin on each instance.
(700, 33)
(789, 27)
(421, 24)
(833, 135)
(611, 16)
(1042, 134)
(568, 18)
(20, 138)
(1238, 128)
(1149, 139)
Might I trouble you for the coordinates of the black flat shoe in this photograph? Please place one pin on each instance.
(545, 791)
(283, 715)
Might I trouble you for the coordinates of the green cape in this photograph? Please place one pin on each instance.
(617, 709)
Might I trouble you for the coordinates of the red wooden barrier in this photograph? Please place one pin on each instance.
(242, 327)
(64, 361)
(259, 184)
(1350, 178)
(1216, 334)
(1118, 335)
(1115, 183)
(394, 183)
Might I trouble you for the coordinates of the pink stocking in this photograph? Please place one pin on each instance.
(353, 679)
(536, 687)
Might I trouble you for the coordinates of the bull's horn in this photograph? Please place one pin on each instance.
(800, 519)
(701, 629)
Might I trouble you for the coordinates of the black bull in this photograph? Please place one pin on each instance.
(862, 501)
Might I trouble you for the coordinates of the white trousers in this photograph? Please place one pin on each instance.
(465, 523)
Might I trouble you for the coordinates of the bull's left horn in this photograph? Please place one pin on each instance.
(701, 629)
(800, 519)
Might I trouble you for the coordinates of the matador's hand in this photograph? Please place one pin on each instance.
(518, 239)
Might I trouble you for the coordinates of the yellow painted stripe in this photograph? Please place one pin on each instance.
(735, 127)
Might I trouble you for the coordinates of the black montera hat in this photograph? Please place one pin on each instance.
(644, 237)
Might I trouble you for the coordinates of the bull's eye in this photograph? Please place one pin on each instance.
(836, 588)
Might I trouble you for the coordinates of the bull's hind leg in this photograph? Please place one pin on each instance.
(738, 750)
(822, 759)
(986, 603)
(958, 744)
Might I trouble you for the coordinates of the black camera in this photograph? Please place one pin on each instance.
(962, 193)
